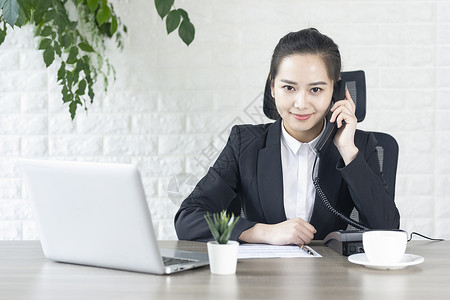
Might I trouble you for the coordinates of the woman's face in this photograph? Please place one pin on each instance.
(302, 92)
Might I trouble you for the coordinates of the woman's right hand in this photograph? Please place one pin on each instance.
(290, 232)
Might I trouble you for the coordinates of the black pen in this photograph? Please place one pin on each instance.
(306, 249)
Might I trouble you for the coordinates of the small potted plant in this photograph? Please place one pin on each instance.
(222, 252)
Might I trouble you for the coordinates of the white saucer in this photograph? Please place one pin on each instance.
(407, 260)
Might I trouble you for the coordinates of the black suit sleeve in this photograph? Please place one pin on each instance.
(368, 189)
(214, 193)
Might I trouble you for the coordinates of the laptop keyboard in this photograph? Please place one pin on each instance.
(169, 261)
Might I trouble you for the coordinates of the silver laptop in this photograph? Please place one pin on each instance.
(96, 214)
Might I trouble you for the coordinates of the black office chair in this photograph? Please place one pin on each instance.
(387, 147)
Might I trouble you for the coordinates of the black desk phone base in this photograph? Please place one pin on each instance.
(345, 242)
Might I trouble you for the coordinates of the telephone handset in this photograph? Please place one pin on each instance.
(331, 128)
(322, 144)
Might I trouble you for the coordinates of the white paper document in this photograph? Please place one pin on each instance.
(271, 251)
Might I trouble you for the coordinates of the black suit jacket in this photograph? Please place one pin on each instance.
(247, 179)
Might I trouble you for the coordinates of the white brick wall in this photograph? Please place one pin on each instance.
(172, 106)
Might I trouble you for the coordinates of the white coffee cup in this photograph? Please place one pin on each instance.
(384, 247)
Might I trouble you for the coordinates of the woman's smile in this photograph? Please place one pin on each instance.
(301, 117)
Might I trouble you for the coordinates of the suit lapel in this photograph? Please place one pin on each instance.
(270, 176)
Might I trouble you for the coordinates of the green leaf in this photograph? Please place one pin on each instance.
(85, 47)
(72, 58)
(66, 40)
(212, 227)
(80, 65)
(105, 29)
(100, 61)
(91, 94)
(173, 20)
(49, 56)
(2, 36)
(183, 14)
(61, 18)
(57, 48)
(76, 75)
(41, 8)
(26, 6)
(61, 71)
(186, 32)
(22, 19)
(11, 11)
(163, 7)
(81, 87)
(50, 15)
(67, 96)
(103, 15)
(92, 4)
(44, 44)
(46, 31)
(114, 25)
(73, 109)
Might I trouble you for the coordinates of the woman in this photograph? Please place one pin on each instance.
(265, 171)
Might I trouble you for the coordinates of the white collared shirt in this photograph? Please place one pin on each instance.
(297, 160)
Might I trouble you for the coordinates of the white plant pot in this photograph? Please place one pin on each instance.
(223, 257)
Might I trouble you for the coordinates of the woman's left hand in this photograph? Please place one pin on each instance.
(344, 110)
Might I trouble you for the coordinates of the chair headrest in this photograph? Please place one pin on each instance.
(356, 85)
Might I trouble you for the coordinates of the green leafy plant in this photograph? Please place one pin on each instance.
(176, 18)
(221, 226)
(77, 43)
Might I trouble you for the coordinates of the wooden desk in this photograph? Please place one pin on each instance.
(26, 274)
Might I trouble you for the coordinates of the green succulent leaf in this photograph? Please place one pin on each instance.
(221, 226)
(214, 231)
